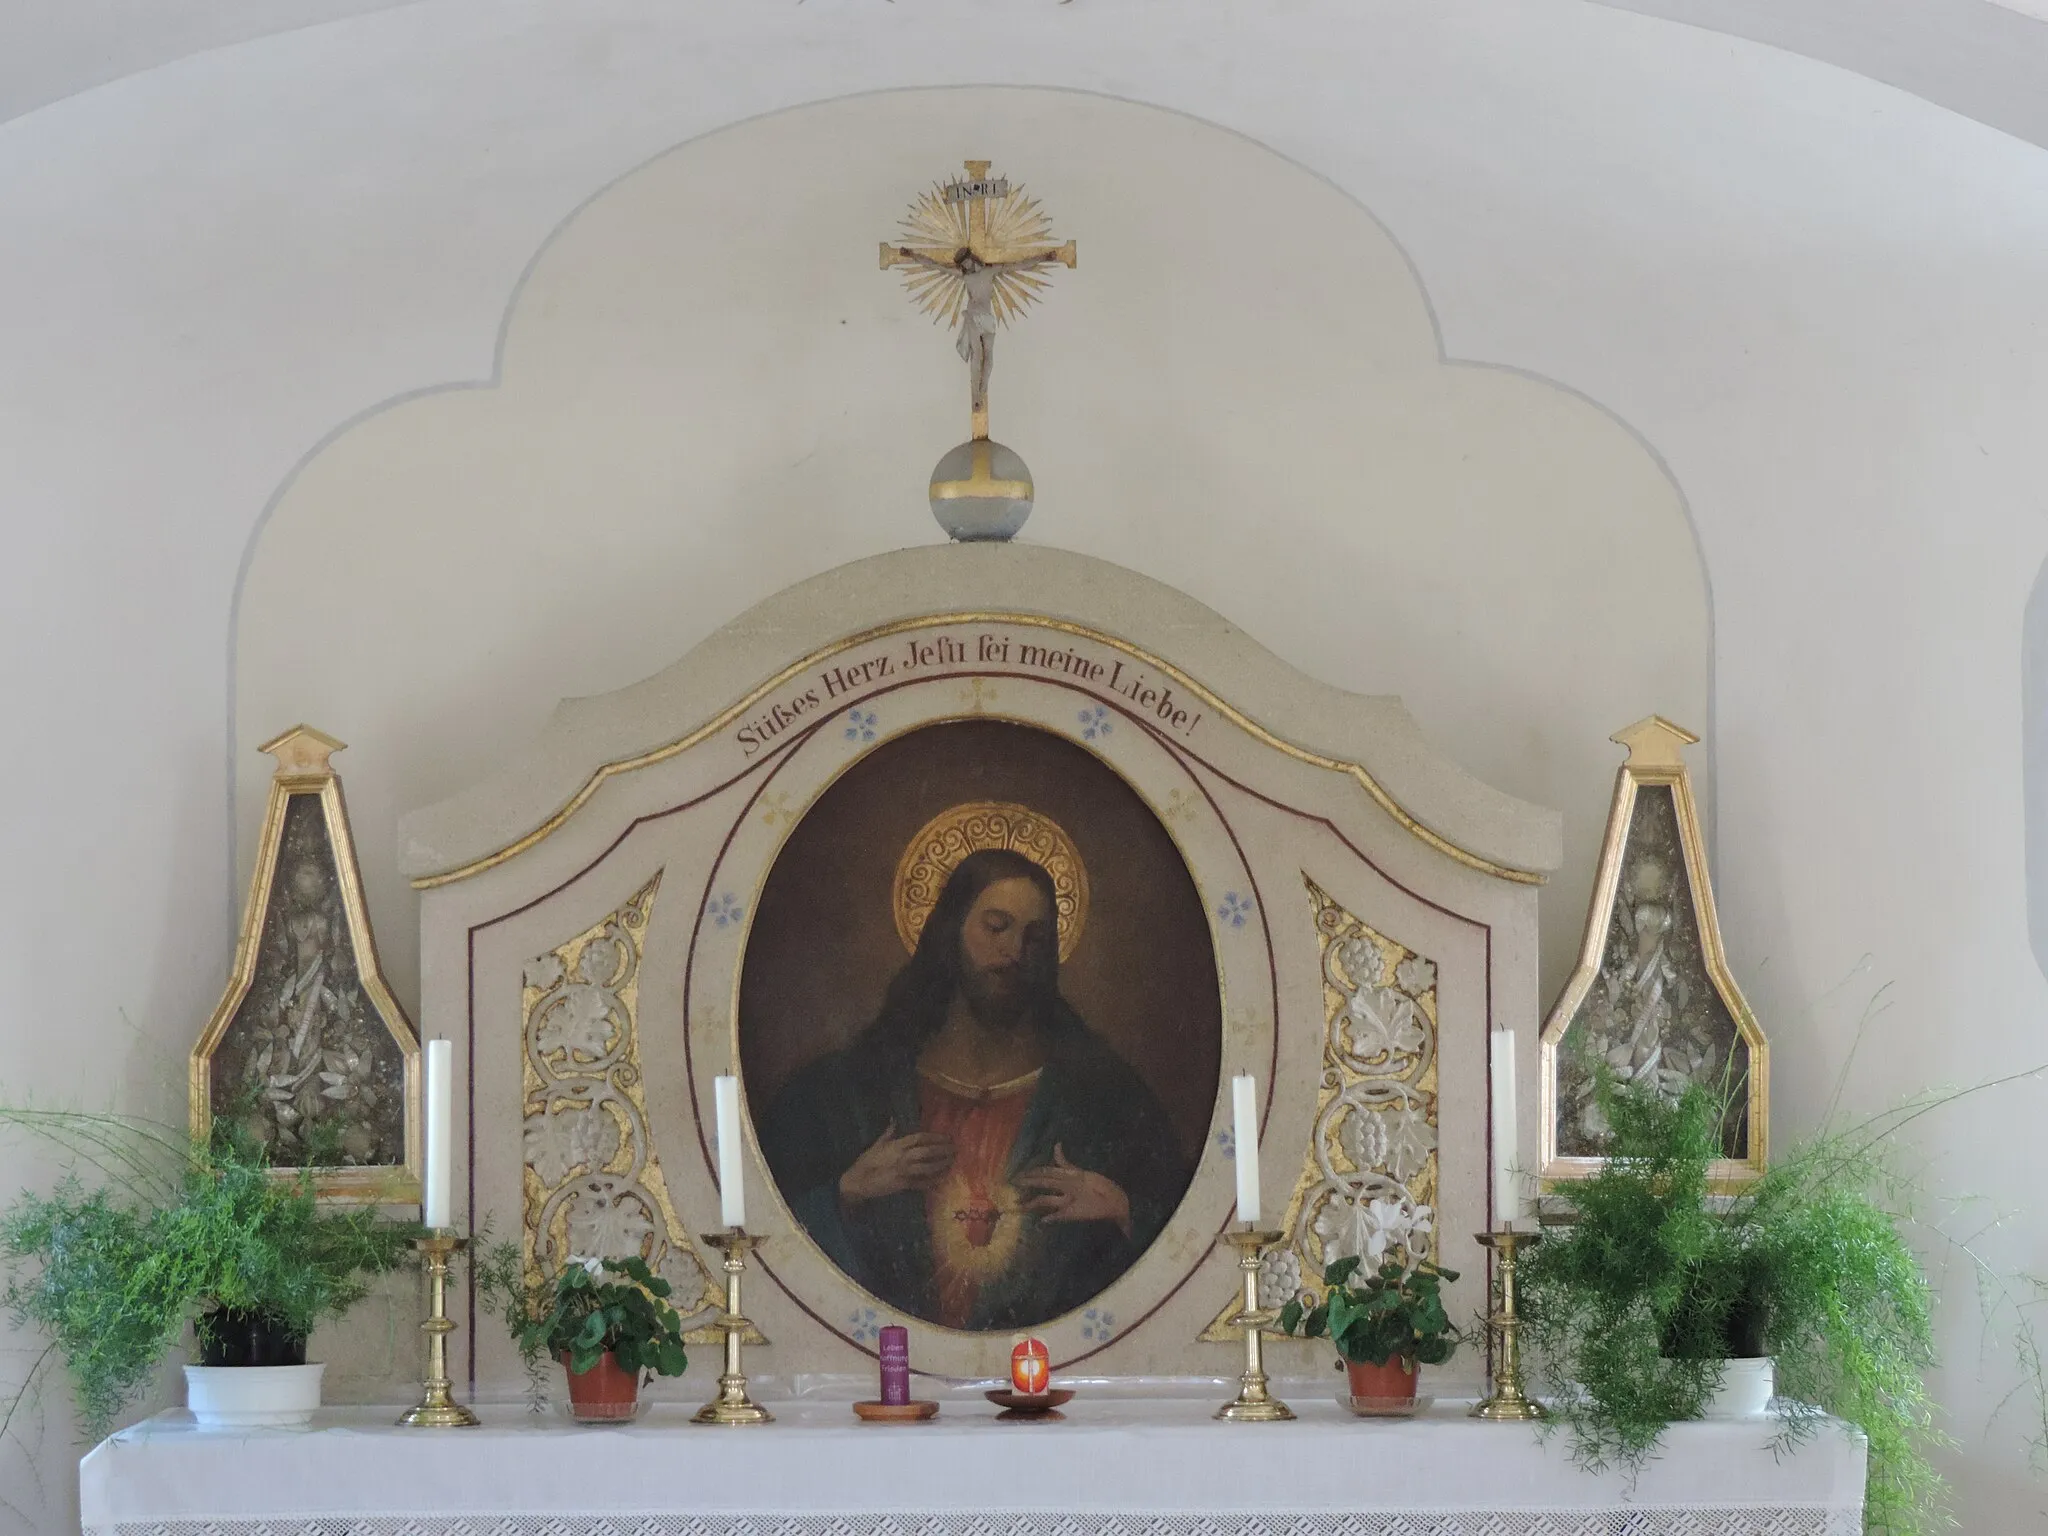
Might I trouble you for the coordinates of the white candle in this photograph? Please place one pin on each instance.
(1244, 1095)
(439, 1095)
(1501, 1061)
(732, 1189)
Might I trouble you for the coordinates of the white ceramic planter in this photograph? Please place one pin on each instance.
(1745, 1391)
(252, 1396)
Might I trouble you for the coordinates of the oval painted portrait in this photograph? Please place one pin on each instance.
(980, 1025)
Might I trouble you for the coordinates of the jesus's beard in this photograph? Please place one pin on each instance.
(1002, 999)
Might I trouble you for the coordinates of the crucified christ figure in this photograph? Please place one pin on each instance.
(975, 248)
(977, 339)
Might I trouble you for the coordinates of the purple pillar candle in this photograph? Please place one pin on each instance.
(895, 1366)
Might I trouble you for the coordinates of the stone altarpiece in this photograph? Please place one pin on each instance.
(1370, 909)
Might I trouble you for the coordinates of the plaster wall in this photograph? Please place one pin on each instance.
(2034, 707)
(1815, 299)
(701, 387)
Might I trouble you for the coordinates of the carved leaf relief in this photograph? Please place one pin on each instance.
(593, 1182)
(1368, 1185)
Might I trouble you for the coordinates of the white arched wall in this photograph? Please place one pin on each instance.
(705, 394)
(1816, 298)
(2034, 723)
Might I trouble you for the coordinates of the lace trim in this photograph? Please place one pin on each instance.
(1804, 1520)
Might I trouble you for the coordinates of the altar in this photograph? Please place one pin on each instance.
(1132, 1465)
(1030, 972)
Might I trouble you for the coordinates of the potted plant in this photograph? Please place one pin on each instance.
(607, 1320)
(1384, 1327)
(1661, 1300)
(204, 1233)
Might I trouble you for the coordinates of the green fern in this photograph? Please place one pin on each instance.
(114, 1274)
(1634, 1305)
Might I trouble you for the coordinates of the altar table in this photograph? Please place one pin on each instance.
(1132, 1467)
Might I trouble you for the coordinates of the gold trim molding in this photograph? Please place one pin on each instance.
(795, 669)
(1655, 760)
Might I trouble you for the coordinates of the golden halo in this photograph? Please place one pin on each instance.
(949, 837)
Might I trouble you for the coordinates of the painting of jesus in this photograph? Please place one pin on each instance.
(975, 1152)
(978, 1156)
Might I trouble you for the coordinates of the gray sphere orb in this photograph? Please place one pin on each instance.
(981, 490)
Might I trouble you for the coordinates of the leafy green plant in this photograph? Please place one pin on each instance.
(583, 1316)
(1635, 1306)
(1397, 1313)
(181, 1228)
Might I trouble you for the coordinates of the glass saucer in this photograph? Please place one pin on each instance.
(1384, 1407)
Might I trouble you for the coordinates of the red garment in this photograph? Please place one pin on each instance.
(975, 1212)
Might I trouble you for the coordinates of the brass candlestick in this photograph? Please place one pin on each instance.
(1503, 1334)
(732, 1405)
(438, 1409)
(1254, 1404)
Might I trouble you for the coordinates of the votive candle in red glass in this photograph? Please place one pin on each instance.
(1030, 1369)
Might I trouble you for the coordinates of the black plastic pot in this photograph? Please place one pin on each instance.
(231, 1337)
(1743, 1330)
(1740, 1335)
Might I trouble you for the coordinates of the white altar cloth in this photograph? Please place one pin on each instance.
(1134, 1467)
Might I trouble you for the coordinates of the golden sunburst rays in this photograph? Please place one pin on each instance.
(936, 227)
(1001, 229)
(1015, 291)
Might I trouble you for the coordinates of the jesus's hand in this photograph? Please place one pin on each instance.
(1067, 1193)
(896, 1163)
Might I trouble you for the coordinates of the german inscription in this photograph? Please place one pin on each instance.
(1137, 690)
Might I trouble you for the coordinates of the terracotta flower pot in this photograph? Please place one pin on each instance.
(604, 1394)
(1392, 1382)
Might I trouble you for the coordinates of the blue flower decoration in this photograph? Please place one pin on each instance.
(1234, 910)
(1097, 1326)
(864, 1327)
(860, 725)
(1226, 1141)
(1096, 722)
(725, 911)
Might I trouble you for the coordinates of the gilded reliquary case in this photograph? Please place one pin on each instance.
(1652, 999)
(308, 1049)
